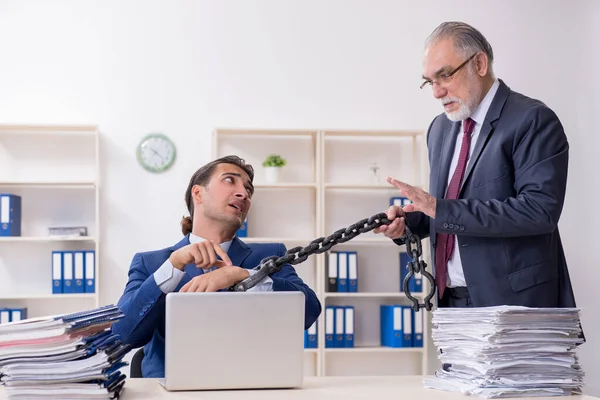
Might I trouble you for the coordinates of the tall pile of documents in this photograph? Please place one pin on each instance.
(507, 351)
(66, 356)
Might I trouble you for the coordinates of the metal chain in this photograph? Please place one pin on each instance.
(299, 254)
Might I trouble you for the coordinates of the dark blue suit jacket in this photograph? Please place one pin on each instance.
(511, 199)
(143, 303)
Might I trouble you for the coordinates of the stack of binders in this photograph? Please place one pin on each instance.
(311, 339)
(400, 326)
(415, 283)
(399, 201)
(342, 271)
(12, 314)
(68, 356)
(339, 326)
(73, 271)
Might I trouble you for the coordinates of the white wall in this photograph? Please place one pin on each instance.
(581, 218)
(184, 67)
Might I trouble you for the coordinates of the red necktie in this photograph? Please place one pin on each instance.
(444, 241)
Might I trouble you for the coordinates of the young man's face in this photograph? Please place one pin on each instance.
(227, 197)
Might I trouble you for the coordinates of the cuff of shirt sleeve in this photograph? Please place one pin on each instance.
(266, 285)
(168, 277)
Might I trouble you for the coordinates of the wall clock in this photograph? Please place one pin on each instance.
(156, 152)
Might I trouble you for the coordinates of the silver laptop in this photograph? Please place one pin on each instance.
(229, 340)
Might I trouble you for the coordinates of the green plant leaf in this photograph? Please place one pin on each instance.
(274, 160)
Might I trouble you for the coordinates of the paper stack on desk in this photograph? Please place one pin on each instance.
(67, 356)
(507, 351)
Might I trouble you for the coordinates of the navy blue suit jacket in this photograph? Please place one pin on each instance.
(143, 303)
(511, 199)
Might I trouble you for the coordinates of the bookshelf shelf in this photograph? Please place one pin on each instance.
(48, 296)
(265, 133)
(286, 186)
(55, 170)
(45, 239)
(373, 134)
(345, 171)
(340, 186)
(368, 295)
(48, 129)
(49, 185)
(276, 240)
(365, 240)
(375, 349)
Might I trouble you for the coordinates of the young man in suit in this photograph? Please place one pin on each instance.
(498, 175)
(209, 258)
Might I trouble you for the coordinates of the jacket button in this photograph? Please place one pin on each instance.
(141, 313)
(445, 225)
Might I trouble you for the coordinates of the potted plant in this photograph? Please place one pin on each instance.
(272, 165)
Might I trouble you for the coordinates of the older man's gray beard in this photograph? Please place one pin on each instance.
(464, 110)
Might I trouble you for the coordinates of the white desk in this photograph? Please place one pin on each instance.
(337, 388)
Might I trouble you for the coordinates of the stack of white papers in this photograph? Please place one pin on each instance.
(507, 351)
(67, 356)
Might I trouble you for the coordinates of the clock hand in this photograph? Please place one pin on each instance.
(158, 154)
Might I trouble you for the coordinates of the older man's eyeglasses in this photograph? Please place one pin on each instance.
(445, 78)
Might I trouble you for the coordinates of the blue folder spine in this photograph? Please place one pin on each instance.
(90, 271)
(57, 273)
(10, 215)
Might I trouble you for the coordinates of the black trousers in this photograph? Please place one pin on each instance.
(455, 297)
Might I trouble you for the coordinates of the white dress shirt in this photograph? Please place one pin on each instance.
(168, 277)
(456, 276)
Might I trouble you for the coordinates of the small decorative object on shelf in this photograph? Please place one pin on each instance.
(272, 164)
(67, 231)
(375, 177)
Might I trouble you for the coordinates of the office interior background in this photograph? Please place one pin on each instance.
(186, 67)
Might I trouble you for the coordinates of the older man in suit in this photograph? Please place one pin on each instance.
(498, 175)
(209, 258)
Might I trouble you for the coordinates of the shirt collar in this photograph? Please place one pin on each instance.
(479, 114)
(197, 239)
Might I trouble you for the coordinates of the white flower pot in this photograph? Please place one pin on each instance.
(272, 174)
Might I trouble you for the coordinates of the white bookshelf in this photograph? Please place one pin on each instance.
(43, 239)
(327, 185)
(55, 170)
(376, 349)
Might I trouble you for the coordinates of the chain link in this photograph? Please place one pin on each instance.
(300, 254)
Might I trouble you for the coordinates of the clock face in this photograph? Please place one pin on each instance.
(156, 152)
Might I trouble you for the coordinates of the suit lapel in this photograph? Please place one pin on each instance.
(487, 128)
(448, 143)
(183, 242)
(238, 251)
